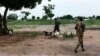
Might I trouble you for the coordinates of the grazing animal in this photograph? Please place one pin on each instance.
(47, 34)
(10, 31)
(56, 34)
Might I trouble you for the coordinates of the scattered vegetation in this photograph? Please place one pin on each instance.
(68, 35)
(46, 22)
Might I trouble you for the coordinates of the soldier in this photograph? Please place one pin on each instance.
(57, 25)
(80, 28)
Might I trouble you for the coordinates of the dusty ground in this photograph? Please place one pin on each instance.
(53, 47)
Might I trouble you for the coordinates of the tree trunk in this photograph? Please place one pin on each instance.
(1, 26)
(5, 29)
(50, 20)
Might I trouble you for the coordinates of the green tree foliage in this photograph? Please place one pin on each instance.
(38, 18)
(97, 17)
(45, 17)
(48, 11)
(26, 13)
(22, 18)
(67, 17)
(94, 16)
(33, 17)
(16, 5)
(80, 17)
(12, 17)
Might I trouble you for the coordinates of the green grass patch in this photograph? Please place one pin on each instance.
(92, 22)
(47, 22)
(22, 23)
(30, 22)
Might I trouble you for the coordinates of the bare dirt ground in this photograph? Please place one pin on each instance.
(52, 47)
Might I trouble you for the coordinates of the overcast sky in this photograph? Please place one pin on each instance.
(64, 7)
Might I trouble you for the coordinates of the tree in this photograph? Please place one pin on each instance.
(97, 17)
(94, 17)
(16, 5)
(1, 25)
(12, 17)
(67, 17)
(26, 13)
(44, 17)
(48, 11)
(38, 18)
(22, 18)
(33, 17)
(80, 17)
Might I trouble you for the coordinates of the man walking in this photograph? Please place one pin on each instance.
(80, 28)
(57, 25)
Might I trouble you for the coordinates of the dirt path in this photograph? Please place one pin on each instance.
(53, 47)
(63, 28)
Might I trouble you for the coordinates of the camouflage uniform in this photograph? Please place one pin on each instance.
(80, 28)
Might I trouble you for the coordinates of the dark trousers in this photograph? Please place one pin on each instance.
(56, 29)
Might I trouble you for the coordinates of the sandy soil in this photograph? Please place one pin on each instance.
(69, 27)
(53, 47)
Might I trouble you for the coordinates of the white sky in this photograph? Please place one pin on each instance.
(64, 7)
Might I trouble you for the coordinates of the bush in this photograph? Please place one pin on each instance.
(12, 17)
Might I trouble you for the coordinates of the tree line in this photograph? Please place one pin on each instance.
(45, 17)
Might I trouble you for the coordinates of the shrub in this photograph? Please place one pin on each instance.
(68, 35)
